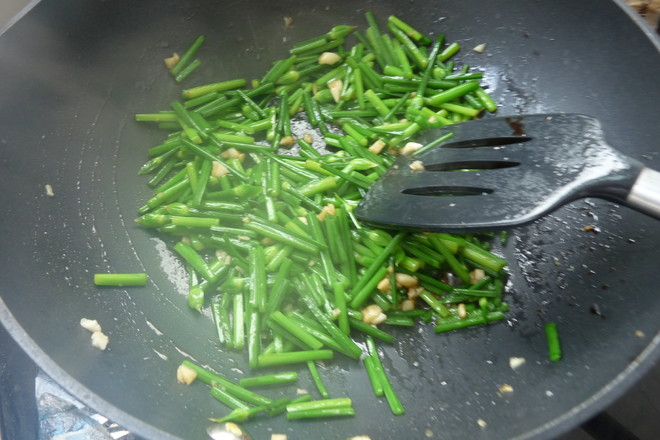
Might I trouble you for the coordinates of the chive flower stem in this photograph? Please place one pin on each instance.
(121, 279)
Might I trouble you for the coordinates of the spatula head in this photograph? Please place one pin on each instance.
(497, 173)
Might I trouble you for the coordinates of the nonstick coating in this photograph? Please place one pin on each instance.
(74, 73)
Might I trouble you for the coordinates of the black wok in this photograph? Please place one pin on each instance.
(73, 74)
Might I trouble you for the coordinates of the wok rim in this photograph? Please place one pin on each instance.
(570, 419)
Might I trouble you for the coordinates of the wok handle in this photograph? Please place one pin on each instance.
(645, 193)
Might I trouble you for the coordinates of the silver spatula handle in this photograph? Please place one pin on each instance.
(645, 193)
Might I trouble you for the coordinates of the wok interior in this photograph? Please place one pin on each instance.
(73, 79)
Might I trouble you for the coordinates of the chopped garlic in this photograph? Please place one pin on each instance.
(328, 209)
(329, 58)
(373, 315)
(408, 305)
(309, 138)
(515, 362)
(232, 153)
(482, 423)
(462, 311)
(411, 147)
(301, 391)
(377, 147)
(402, 280)
(405, 280)
(90, 324)
(185, 375)
(360, 437)
(218, 170)
(49, 190)
(640, 334)
(278, 437)
(100, 340)
(414, 292)
(335, 87)
(506, 389)
(234, 429)
(416, 165)
(477, 275)
(287, 141)
(384, 285)
(480, 48)
(171, 61)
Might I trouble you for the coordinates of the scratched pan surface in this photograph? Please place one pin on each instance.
(73, 74)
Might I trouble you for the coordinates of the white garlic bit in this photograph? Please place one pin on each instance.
(416, 165)
(480, 48)
(171, 61)
(414, 292)
(218, 170)
(377, 147)
(287, 141)
(329, 58)
(462, 311)
(401, 280)
(234, 429)
(91, 325)
(185, 375)
(278, 437)
(405, 280)
(516, 362)
(477, 275)
(384, 285)
(335, 87)
(411, 147)
(408, 305)
(100, 340)
(232, 153)
(328, 209)
(373, 315)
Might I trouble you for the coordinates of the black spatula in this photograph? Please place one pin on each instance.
(501, 172)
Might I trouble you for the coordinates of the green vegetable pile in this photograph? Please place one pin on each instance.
(264, 220)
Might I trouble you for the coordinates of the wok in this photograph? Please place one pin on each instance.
(73, 75)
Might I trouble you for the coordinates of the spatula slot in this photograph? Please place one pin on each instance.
(471, 165)
(447, 191)
(488, 142)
